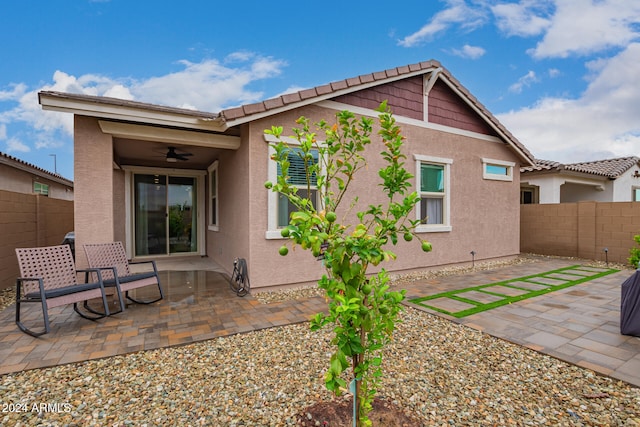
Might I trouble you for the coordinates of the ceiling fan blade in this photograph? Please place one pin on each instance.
(172, 155)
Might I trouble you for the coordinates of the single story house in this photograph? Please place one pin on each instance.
(610, 180)
(174, 182)
(21, 177)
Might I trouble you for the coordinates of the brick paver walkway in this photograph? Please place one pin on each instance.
(579, 324)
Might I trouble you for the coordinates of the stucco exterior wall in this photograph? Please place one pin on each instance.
(93, 183)
(485, 214)
(232, 238)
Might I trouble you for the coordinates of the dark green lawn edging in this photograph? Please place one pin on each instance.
(458, 294)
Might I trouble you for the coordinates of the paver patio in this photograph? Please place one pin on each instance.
(579, 324)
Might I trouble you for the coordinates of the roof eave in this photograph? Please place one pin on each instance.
(107, 108)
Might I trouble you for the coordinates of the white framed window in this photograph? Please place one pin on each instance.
(279, 206)
(498, 170)
(636, 194)
(433, 184)
(214, 201)
(40, 188)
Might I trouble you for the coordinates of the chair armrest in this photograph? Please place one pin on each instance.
(151, 261)
(142, 262)
(24, 279)
(21, 280)
(97, 271)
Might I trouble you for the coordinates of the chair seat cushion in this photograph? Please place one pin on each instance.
(66, 290)
(130, 278)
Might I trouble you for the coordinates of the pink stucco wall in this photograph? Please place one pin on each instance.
(93, 185)
(484, 214)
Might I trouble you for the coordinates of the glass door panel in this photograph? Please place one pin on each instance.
(150, 214)
(182, 214)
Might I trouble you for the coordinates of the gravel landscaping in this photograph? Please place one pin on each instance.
(437, 371)
(441, 372)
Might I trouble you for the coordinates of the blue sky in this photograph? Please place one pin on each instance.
(562, 75)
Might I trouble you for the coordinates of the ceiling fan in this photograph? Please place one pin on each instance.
(173, 156)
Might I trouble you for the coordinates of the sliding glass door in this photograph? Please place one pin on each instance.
(165, 214)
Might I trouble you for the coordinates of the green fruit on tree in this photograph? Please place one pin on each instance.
(426, 246)
(283, 250)
(367, 288)
(383, 309)
(268, 185)
(331, 216)
(408, 237)
(284, 232)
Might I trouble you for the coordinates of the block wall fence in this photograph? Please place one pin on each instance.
(29, 220)
(582, 229)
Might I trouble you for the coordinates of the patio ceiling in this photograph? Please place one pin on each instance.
(153, 154)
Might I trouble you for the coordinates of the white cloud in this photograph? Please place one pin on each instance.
(208, 85)
(554, 72)
(523, 81)
(16, 146)
(522, 19)
(601, 123)
(468, 51)
(457, 13)
(17, 90)
(582, 27)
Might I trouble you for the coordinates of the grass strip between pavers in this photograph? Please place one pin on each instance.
(479, 306)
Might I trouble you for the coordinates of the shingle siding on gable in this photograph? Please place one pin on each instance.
(403, 96)
(447, 108)
(405, 99)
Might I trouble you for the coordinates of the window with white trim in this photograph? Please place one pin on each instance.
(498, 170)
(636, 194)
(279, 206)
(214, 200)
(433, 184)
(297, 178)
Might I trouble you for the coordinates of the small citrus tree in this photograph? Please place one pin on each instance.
(634, 253)
(362, 307)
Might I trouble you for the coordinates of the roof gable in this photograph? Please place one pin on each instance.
(453, 104)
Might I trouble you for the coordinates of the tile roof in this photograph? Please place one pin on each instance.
(21, 164)
(327, 91)
(610, 168)
(231, 117)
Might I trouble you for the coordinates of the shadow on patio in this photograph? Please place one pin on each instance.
(198, 305)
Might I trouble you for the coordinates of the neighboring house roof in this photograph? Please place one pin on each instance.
(230, 117)
(609, 168)
(16, 163)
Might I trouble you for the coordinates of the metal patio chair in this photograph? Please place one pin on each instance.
(111, 259)
(48, 276)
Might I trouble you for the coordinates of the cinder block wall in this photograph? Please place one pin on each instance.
(582, 229)
(29, 220)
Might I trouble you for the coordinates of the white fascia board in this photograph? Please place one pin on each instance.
(128, 113)
(171, 136)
